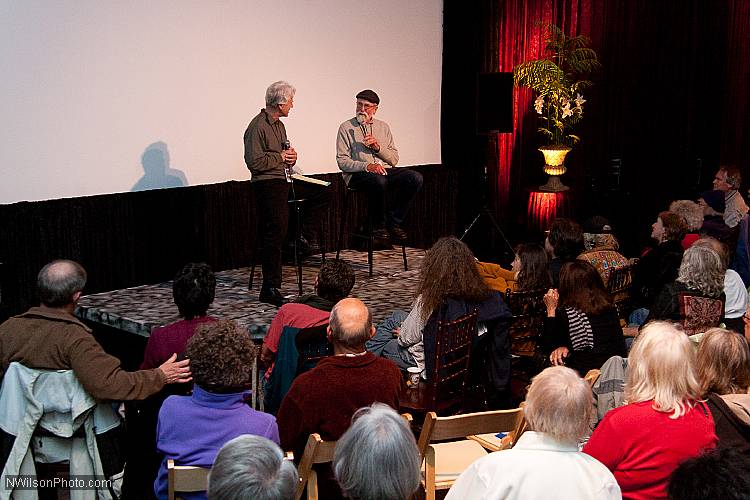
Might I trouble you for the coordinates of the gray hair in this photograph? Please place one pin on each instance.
(559, 403)
(279, 93)
(690, 211)
(377, 458)
(350, 323)
(734, 177)
(252, 468)
(702, 269)
(58, 281)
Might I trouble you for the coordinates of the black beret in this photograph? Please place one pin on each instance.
(369, 96)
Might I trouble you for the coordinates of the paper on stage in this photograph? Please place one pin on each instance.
(311, 180)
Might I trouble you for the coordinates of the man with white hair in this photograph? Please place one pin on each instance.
(728, 180)
(545, 462)
(367, 155)
(252, 468)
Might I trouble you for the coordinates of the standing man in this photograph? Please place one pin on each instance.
(366, 154)
(728, 180)
(269, 157)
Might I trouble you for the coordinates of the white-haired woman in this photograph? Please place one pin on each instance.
(377, 457)
(545, 462)
(664, 421)
(701, 275)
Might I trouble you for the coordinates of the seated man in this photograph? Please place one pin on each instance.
(367, 155)
(51, 337)
(324, 399)
(545, 462)
(728, 180)
(334, 282)
(252, 467)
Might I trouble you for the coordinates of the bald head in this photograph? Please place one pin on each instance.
(351, 324)
(59, 281)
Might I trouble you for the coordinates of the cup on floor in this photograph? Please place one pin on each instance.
(414, 374)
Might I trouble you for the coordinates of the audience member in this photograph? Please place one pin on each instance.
(51, 337)
(545, 462)
(334, 282)
(377, 458)
(659, 265)
(564, 243)
(192, 429)
(252, 468)
(664, 422)
(193, 290)
(714, 204)
(693, 295)
(734, 288)
(728, 180)
(601, 248)
(324, 399)
(724, 374)
(449, 287)
(529, 271)
(582, 329)
(692, 214)
(720, 474)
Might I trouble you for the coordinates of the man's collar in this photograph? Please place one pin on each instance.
(53, 314)
(269, 118)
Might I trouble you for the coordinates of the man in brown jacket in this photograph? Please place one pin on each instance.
(51, 337)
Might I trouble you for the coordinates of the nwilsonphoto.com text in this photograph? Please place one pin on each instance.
(63, 483)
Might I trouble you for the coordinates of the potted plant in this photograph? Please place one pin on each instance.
(559, 80)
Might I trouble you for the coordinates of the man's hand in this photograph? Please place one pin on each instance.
(371, 142)
(176, 371)
(376, 168)
(289, 156)
(558, 356)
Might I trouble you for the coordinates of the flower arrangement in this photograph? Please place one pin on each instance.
(559, 79)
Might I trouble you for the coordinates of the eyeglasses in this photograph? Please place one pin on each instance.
(365, 105)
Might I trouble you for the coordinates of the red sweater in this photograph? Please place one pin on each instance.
(170, 339)
(324, 399)
(642, 446)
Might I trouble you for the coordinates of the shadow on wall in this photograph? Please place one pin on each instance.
(156, 171)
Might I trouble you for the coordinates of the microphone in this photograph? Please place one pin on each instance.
(362, 120)
(285, 144)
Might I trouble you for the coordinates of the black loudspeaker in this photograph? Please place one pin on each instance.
(494, 102)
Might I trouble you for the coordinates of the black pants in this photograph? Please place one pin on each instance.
(317, 199)
(271, 198)
(389, 195)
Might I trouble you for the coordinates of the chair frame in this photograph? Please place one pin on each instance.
(459, 427)
(348, 192)
(185, 479)
(316, 451)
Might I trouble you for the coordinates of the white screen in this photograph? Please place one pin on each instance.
(88, 85)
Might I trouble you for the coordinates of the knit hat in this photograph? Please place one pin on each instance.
(369, 96)
(715, 199)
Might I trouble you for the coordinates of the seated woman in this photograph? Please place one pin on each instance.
(664, 421)
(193, 290)
(724, 375)
(529, 271)
(449, 287)
(696, 298)
(601, 247)
(192, 429)
(564, 243)
(659, 265)
(692, 213)
(582, 329)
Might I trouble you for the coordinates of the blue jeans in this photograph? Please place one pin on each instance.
(385, 345)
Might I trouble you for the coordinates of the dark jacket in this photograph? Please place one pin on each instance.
(655, 269)
(730, 429)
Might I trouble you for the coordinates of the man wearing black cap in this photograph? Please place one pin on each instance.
(366, 154)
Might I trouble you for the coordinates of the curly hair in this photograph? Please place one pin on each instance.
(701, 269)
(734, 177)
(193, 290)
(566, 238)
(690, 211)
(675, 226)
(723, 362)
(221, 357)
(449, 270)
(335, 280)
(534, 273)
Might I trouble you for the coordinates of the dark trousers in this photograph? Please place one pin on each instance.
(389, 195)
(317, 199)
(273, 218)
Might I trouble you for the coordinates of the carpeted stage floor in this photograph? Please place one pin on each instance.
(139, 309)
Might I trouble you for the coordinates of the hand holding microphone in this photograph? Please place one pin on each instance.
(369, 140)
(288, 154)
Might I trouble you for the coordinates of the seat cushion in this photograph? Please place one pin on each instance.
(451, 459)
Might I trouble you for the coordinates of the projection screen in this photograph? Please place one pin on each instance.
(92, 91)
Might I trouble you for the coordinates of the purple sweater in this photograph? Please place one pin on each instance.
(192, 429)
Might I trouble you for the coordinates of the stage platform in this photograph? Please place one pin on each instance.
(140, 309)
